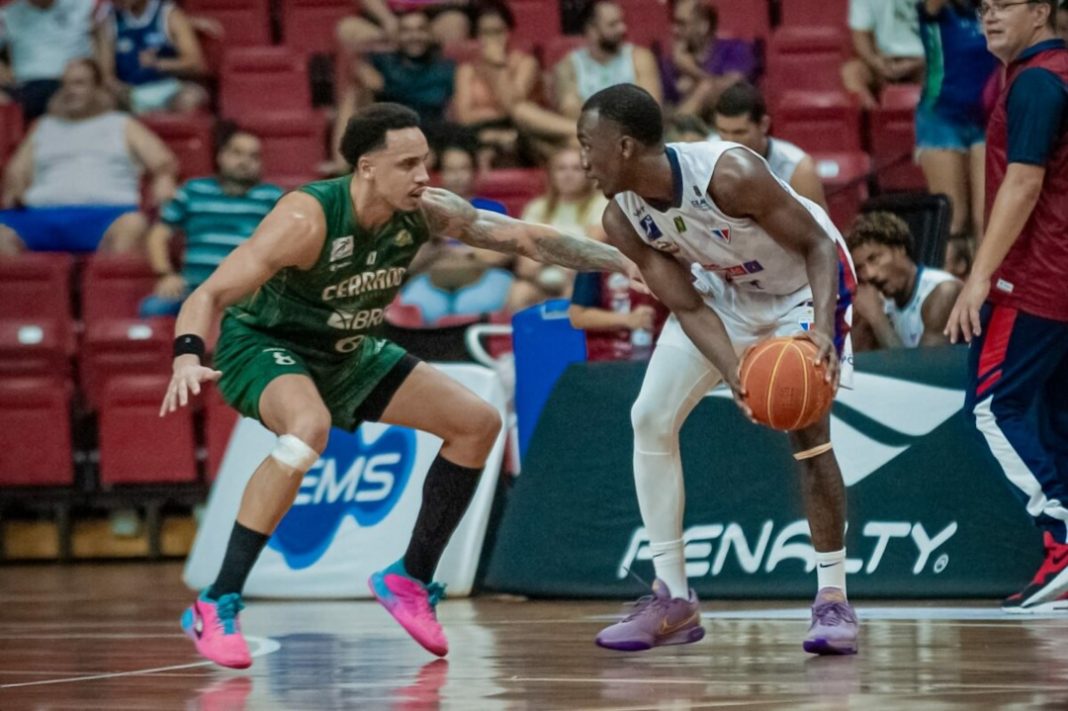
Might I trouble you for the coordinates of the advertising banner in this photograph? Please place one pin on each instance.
(930, 513)
(355, 509)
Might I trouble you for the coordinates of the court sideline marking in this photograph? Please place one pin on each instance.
(264, 646)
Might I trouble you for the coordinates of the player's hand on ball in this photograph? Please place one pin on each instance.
(964, 318)
(826, 353)
(734, 382)
(188, 375)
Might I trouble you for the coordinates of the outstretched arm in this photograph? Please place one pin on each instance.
(451, 216)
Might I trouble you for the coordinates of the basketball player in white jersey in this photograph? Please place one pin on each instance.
(742, 116)
(900, 303)
(732, 251)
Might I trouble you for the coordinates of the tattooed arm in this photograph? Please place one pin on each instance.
(452, 216)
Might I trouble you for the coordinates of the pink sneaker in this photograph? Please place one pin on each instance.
(412, 604)
(215, 630)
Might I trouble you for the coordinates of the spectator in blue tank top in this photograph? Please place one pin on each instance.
(153, 57)
(216, 214)
(950, 126)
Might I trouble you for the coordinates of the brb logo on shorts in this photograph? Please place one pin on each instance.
(352, 478)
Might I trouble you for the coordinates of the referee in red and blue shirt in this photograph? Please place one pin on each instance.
(1014, 307)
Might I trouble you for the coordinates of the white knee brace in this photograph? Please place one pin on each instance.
(293, 453)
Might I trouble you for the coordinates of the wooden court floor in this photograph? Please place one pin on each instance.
(106, 637)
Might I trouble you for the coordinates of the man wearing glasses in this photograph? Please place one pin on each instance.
(1013, 308)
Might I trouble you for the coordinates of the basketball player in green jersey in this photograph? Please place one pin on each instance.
(295, 352)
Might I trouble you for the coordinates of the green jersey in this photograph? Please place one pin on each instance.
(327, 311)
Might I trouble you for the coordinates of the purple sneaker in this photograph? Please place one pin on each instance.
(656, 620)
(834, 624)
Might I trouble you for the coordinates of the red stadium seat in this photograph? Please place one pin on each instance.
(189, 136)
(311, 25)
(35, 288)
(35, 433)
(256, 81)
(114, 285)
(120, 347)
(815, 13)
(33, 348)
(294, 145)
(804, 59)
(821, 122)
(744, 20)
(842, 175)
(536, 21)
(404, 315)
(246, 23)
(514, 187)
(136, 445)
(219, 422)
(648, 23)
(11, 129)
(893, 139)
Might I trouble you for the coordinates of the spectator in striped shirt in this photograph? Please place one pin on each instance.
(215, 214)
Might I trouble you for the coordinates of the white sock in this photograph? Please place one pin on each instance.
(830, 570)
(670, 565)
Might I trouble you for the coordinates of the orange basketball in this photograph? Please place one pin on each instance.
(784, 389)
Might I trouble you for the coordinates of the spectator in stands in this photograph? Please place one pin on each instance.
(1062, 21)
(899, 303)
(960, 252)
(42, 37)
(151, 55)
(886, 40)
(607, 59)
(215, 214)
(621, 323)
(702, 65)
(379, 25)
(687, 128)
(571, 204)
(742, 117)
(950, 121)
(415, 75)
(74, 183)
(488, 86)
(458, 167)
(449, 277)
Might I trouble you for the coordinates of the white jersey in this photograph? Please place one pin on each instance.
(908, 320)
(783, 158)
(722, 251)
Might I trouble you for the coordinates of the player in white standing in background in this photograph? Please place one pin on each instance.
(732, 251)
(900, 302)
(742, 117)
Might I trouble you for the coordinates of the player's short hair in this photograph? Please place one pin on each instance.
(367, 129)
(880, 227)
(633, 108)
(741, 99)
